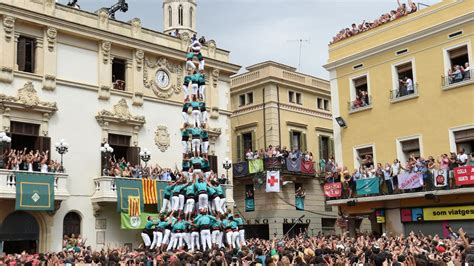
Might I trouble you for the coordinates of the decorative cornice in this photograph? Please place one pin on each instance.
(247, 110)
(214, 132)
(27, 98)
(296, 124)
(120, 114)
(8, 27)
(305, 111)
(323, 129)
(248, 125)
(51, 34)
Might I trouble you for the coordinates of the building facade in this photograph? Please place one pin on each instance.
(70, 74)
(432, 116)
(274, 105)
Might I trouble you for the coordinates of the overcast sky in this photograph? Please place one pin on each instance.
(259, 30)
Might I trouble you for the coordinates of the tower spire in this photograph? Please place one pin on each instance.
(179, 15)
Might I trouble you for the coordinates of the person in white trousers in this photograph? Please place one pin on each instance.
(166, 206)
(159, 232)
(194, 237)
(216, 232)
(201, 187)
(240, 225)
(204, 221)
(147, 232)
(185, 132)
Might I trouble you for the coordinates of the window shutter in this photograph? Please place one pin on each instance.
(303, 142)
(239, 148)
(133, 155)
(320, 141)
(32, 64)
(291, 140)
(21, 54)
(46, 144)
(331, 147)
(254, 141)
(213, 163)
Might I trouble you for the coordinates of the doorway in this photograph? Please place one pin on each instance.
(19, 232)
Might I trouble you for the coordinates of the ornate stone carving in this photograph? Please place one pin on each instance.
(49, 82)
(120, 113)
(174, 70)
(185, 40)
(49, 3)
(104, 92)
(51, 34)
(215, 77)
(6, 74)
(27, 97)
(162, 138)
(211, 48)
(137, 98)
(214, 112)
(139, 56)
(8, 26)
(136, 24)
(103, 15)
(106, 47)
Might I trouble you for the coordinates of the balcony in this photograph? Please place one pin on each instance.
(106, 190)
(290, 169)
(451, 82)
(401, 94)
(359, 105)
(8, 185)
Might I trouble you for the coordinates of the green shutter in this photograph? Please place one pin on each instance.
(303, 142)
(239, 148)
(254, 141)
(291, 140)
(320, 141)
(331, 147)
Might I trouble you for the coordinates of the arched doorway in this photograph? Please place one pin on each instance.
(72, 224)
(19, 232)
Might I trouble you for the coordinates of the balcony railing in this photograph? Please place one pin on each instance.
(403, 93)
(360, 104)
(106, 189)
(286, 166)
(8, 185)
(448, 82)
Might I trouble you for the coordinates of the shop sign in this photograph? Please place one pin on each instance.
(449, 213)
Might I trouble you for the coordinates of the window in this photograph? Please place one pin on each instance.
(360, 94)
(298, 98)
(291, 97)
(170, 17)
(118, 74)
(328, 225)
(464, 139)
(404, 80)
(26, 136)
(297, 140)
(72, 224)
(242, 100)
(325, 147)
(250, 98)
(180, 15)
(327, 208)
(409, 148)
(326, 105)
(247, 138)
(458, 60)
(364, 156)
(191, 11)
(245, 142)
(25, 57)
(320, 103)
(122, 149)
(213, 163)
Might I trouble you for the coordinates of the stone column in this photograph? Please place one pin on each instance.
(129, 75)
(137, 70)
(105, 70)
(7, 49)
(39, 57)
(50, 54)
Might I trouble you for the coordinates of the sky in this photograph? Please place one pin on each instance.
(259, 30)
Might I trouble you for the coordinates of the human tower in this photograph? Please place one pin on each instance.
(194, 213)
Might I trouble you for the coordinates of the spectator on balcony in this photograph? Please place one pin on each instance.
(466, 71)
(456, 75)
(395, 170)
(462, 158)
(387, 174)
(407, 86)
(249, 155)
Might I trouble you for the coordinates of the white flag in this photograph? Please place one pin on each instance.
(273, 181)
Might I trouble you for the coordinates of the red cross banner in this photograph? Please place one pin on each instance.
(273, 181)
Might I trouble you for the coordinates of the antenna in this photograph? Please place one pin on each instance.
(301, 44)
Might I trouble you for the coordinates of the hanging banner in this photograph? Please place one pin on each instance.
(160, 188)
(149, 191)
(293, 165)
(34, 191)
(307, 167)
(367, 186)
(134, 206)
(255, 166)
(410, 180)
(126, 188)
(273, 181)
(240, 169)
(440, 178)
(299, 203)
(273, 163)
(135, 222)
(333, 190)
(249, 204)
(464, 175)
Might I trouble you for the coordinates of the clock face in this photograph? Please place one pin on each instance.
(162, 79)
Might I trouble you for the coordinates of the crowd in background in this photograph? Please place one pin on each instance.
(277, 152)
(32, 161)
(459, 73)
(411, 250)
(401, 11)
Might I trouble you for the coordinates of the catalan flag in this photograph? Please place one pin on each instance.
(134, 206)
(149, 191)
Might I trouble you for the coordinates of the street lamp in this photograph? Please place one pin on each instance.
(107, 151)
(145, 155)
(227, 164)
(62, 148)
(3, 140)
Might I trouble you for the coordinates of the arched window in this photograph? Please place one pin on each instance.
(180, 15)
(72, 224)
(191, 17)
(170, 16)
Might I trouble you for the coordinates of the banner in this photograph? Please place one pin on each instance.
(273, 181)
(135, 222)
(255, 166)
(160, 188)
(449, 213)
(440, 178)
(34, 191)
(149, 191)
(273, 163)
(293, 165)
(240, 169)
(367, 186)
(299, 203)
(249, 204)
(380, 216)
(464, 175)
(134, 206)
(333, 190)
(307, 167)
(410, 180)
(126, 188)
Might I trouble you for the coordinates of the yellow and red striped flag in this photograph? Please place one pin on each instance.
(149, 191)
(134, 206)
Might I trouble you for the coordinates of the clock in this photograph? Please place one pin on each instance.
(162, 79)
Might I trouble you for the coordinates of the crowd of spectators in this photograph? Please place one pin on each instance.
(362, 99)
(388, 173)
(277, 152)
(402, 10)
(363, 249)
(459, 73)
(32, 161)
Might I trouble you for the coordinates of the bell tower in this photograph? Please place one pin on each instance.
(179, 15)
